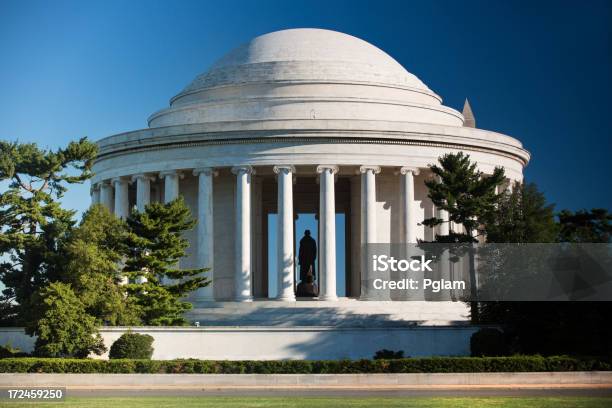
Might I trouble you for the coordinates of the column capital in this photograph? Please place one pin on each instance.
(331, 167)
(115, 180)
(105, 183)
(94, 187)
(365, 169)
(143, 176)
(207, 171)
(407, 169)
(243, 169)
(162, 174)
(286, 168)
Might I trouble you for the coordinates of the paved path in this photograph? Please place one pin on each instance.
(344, 392)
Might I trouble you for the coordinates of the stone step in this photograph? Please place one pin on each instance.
(343, 313)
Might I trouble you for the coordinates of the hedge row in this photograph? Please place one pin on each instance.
(407, 365)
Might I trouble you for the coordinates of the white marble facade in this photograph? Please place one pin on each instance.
(289, 109)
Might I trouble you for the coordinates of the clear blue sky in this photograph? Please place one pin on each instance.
(539, 71)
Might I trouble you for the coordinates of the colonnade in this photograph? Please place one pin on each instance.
(114, 195)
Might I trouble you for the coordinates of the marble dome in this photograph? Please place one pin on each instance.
(306, 74)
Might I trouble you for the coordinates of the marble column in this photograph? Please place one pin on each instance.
(444, 228)
(407, 212)
(171, 184)
(284, 253)
(205, 231)
(242, 278)
(95, 194)
(143, 190)
(327, 233)
(122, 205)
(368, 223)
(106, 195)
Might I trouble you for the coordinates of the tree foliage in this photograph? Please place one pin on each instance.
(585, 226)
(64, 328)
(32, 221)
(464, 192)
(522, 215)
(155, 244)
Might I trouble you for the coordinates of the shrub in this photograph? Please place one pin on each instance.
(488, 342)
(133, 346)
(7, 351)
(385, 354)
(64, 328)
(405, 365)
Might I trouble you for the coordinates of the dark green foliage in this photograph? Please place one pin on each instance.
(132, 346)
(31, 219)
(92, 254)
(155, 244)
(407, 365)
(488, 342)
(64, 328)
(7, 351)
(462, 190)
(585, 226)
(385, 354)
(522, 216)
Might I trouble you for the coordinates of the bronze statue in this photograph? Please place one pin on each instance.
(307, 287)
(307, 255)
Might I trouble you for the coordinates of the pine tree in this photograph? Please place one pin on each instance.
(156, 244)
(522, 216)
(465, 193)
(31, 219)
(585, 226)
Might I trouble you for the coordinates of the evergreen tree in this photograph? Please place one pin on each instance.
(155, 245)
(92, 264)
(64, 329)
(31, 219)
(465, 193)
(585, 226)
(522, 216)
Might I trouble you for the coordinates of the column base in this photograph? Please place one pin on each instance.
(328, 298)
(244, 299)
(285, 299)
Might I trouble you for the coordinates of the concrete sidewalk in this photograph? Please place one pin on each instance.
(441, 381)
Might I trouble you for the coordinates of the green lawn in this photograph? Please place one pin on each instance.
(306, 402)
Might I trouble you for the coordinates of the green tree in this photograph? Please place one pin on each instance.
(522, 216)
(32, 221)
(64, 329)
(155, 245)
(585, 226)
(469, 197)
(465, 193)
(92, 254)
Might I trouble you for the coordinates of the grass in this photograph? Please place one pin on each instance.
(323, 402)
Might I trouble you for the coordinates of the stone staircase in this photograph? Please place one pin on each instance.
(343, 313)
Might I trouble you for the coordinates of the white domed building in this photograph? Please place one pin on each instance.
(301, 121)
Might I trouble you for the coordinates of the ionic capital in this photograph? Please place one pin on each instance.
(118, 180)
(406, 169)
(243, 170)
(373, 169)
(332, 168)
(143, 176)
(164, 173)
(207, 171)
(284, 169)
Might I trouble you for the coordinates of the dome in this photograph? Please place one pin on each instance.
(306, 74)
(297, 55)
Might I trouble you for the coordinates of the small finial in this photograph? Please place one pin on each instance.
(468, 115)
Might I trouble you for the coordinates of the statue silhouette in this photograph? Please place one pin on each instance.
(307, 255)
